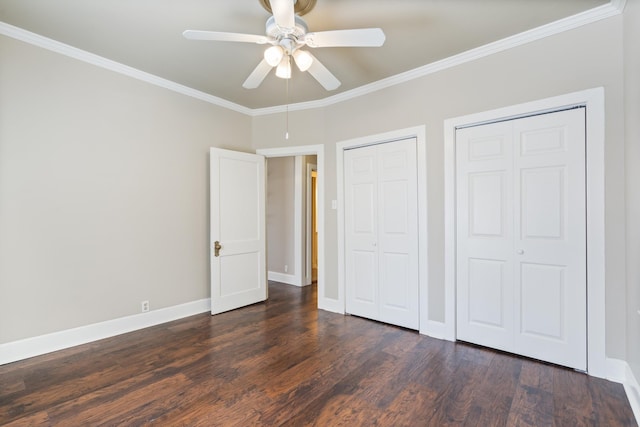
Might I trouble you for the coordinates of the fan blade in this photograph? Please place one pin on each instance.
(283, 13)
(323, 75)
(224, 37)
(365, 37)
(257, 76)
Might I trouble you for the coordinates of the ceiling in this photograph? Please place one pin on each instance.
(147, 35)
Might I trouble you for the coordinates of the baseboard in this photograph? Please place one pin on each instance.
(436, 329)
(616, 370)
(632, 388)
(36, 346)
(289, 279)
(330, 304)
(619, 371)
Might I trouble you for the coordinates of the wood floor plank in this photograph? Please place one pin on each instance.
(572, 400)
(493, 398)
(605, 413)
(283, 362)
(35, 419)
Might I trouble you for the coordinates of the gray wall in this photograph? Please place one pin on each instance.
(583, 58)
(280, 209)
(103, 192)
(632, 157)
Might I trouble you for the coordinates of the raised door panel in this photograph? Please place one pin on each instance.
(487, 288)
(363, 268)
(487, 204)
(543, 203)
(543, 292)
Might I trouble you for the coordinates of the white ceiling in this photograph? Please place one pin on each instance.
(147, 35)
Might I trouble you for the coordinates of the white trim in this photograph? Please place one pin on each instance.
(435, 329)
(289, 279)
(619, 371)
(35, 346)
(309, 225)
(615, 7)
(298, 233)
(423, 233)
(99, 61)
(632, 388)
(324, 302)
(593, 100)
(616, 370)
(619, 4)
(418, 132)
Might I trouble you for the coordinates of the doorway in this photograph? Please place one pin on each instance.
(324, 302)
(291, 219)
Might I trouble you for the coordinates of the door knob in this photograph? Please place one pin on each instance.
(520, 251)
(216, 248)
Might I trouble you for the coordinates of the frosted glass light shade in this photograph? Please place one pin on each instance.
(273, 55)
(284, 68)
(303, 59)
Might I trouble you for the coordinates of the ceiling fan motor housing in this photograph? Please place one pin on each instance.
(288, 38)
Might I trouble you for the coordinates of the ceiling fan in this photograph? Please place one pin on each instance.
(287, 33)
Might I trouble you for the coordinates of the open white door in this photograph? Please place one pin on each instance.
(238, 267)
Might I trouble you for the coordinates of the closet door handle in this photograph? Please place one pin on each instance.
(520, 251)
(216, 248)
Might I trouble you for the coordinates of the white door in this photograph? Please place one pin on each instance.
(521, 236)
(238, 268)
(381, 230)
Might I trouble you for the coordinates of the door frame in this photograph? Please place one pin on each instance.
(593, 101)
(318, 151)
(419, 133)
(308, 226)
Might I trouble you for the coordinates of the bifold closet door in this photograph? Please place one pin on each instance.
(381, 232)
(521, 236)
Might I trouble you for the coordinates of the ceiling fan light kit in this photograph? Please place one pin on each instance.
(287, 33)
(284, 68)
(303, 59)
(273, 55)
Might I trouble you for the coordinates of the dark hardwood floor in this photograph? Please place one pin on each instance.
(286, 363)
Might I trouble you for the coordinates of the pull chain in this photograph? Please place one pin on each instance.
(286, 134)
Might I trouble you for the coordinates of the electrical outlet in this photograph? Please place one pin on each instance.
(144, 306)
(286, 268)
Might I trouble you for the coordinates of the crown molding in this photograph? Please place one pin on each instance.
(587, 17)
(615, 7)
(90, 58)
